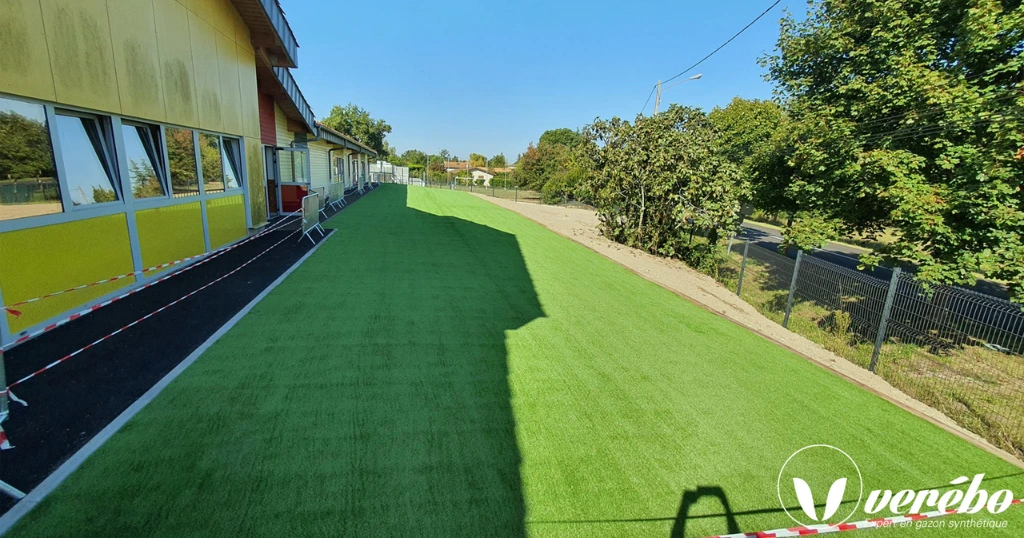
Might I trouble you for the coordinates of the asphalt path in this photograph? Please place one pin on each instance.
(845, 256)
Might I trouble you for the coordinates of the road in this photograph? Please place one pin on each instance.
(846, 256)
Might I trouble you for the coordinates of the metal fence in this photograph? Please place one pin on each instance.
(957, 350)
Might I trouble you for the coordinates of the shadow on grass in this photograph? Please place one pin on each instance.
(367, 395)
(435, 451)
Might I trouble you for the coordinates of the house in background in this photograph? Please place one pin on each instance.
(147, 131)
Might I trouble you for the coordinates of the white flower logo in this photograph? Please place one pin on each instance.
(836, 492)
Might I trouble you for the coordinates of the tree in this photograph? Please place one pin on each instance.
(25, 152)
(909, 115)
(659, 178)
(746, 126)
(414, 157)
(357, 123)
(539, 164)
(475, 159)
(563, 137)
(498, 161)
(445, 155)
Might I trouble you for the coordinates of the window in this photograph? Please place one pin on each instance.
(213, 167)
(293, 166)
(28, 178)
(339, 169)
(145, 160)
(85, 152)
(232, 158)
(181, 158)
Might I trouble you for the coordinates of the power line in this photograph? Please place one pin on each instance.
(648, 98)
(720, 47)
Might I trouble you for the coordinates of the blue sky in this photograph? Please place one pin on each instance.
(490, 77)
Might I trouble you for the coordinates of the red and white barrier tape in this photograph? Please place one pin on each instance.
(810, 530)
(212, 254)
(26, 337)
(67, 357)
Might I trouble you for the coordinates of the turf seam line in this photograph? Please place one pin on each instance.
(48, 485)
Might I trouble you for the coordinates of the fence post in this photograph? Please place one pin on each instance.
(792, 288)
(743, 268)
(517, 193)
(883, 324)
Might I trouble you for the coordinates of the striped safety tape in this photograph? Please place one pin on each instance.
(811, 530)
(67, 357)
(11, 308)
(28, 336)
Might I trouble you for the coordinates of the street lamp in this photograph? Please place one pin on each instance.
(657, 100)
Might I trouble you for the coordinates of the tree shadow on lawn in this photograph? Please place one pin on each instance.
(367, 395)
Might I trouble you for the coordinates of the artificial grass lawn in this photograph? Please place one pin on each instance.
(443, 367)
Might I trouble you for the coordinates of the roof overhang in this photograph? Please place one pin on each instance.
(334, 137)
(279, 83)
(269, 31)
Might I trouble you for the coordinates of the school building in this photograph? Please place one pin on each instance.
(138, 132)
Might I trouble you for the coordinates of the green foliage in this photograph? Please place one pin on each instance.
(561, 137)
(357, 123)
(746, 126)
(539, 164)
(909, 115)
(475, 159)
(498, 161)
(656, 179)
(809, 231)
(25, 151)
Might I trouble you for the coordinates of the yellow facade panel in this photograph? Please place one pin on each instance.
(170, 233)
(37, 261)
(249, 93)
(242, 35)
(319, 164)
(218, 13)
(230, 98)
(284, 136)
(136, 60)
(226, 219)
(81, 56)
(24, 58)
(178, 75)
(207, 72)
(257, 181)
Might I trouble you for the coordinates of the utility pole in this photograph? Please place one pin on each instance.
(657, 98)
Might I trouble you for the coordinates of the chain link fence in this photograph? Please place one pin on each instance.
(957, 350)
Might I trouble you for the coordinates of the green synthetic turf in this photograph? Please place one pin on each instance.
(444, 367)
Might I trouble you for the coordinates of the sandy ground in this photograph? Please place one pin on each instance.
(580, 225)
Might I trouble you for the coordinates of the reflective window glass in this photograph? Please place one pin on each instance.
(213, 168)
(232, 157)
(143, 154)
(28, 179)
(86, 158)
(181, 158)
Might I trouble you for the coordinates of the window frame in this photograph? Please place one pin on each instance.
(105, 124)
(162, 171)
(220, 151)
(239, 176)
(58, 166)
(113, 147)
